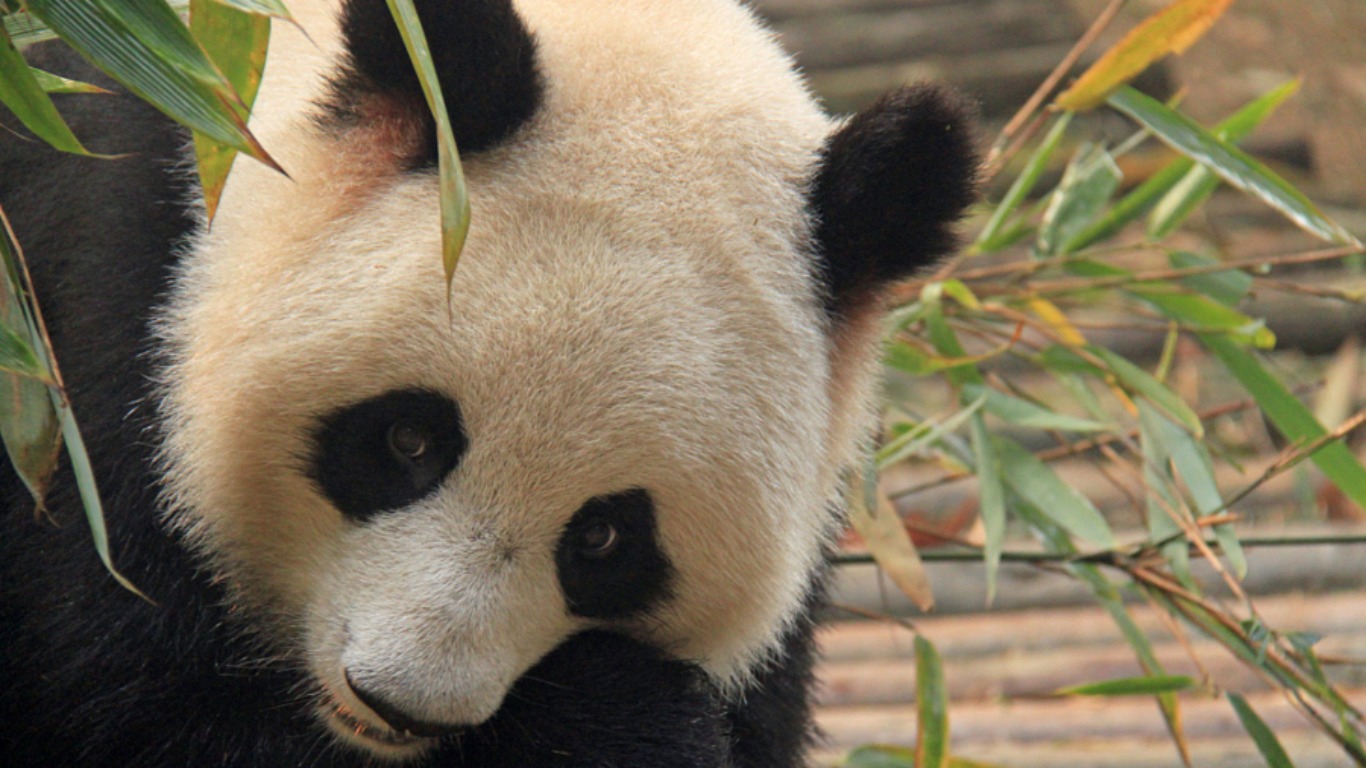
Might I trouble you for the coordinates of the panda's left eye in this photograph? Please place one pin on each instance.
(610, 560)
(387, 452)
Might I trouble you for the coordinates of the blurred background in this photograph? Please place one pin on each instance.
(1045, 632)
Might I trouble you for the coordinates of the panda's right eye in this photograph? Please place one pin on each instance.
(387, 452)
(408, 443)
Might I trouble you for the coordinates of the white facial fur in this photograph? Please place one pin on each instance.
(633, 309)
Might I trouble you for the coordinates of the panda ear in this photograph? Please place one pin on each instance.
(890, 186)
(484, 56)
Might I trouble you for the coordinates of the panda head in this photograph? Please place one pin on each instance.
(633, 410)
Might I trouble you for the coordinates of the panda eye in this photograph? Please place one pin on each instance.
(610, 559)
(408, 443)
(387, 452)
(599, 540)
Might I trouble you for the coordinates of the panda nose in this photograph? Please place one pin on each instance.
(396, 718)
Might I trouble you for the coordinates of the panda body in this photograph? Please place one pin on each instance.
(572, 512)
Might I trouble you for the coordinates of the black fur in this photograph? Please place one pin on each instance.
(890, 185)
(359, 471)
(92, 676)
(484, 58)
(630, 578)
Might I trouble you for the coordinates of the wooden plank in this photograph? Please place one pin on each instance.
(1062, 722)
(916, 32)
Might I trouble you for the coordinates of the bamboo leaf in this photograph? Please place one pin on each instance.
(879, 756)
(1230, 163)
(53, 84)
(931, 698)
(28, 423)
(1261, 734)
(1086, 187)
(990, 500)
(1291, 417)
(455, 201)
(1037, 484)
(85, 484)
(21, 91)
(17, 357)
(1017, 411)
(1199, 182)
(1192, 462)
(925, 435)
(1228, 287)
(144, 46)
(1140, 381)
(1132, 205)
(1131, 686)
(1171, 30)
(991, 238)
(236, 41)
(274, 8)
(1108, 596)
(877, 521)
(1162, 505)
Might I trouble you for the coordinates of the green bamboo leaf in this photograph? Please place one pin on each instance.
(1231, 164)
(1261, 734)
(1205, 313)
(1290, 416)
(1037, 484)
(1161, 502)
(1184, 199)
(21, 91)
(880, 756)
(53, 84)
(1199, 183)
(85, 485)
(990, 500)
(1056, 540)
(1131, 686)
(17, 357)
(1086, 187)
(1132, 205)
(1017, 411)
(25, 30)
(123, 38)
(158, 27)
(28, 424)
(1227, 287)
(991, 238)
(946, 342)
(274, 8)
(455, 201)
(236, 41)
(1192, 462)
(1141, 382)
(923, 436)
(931, 698)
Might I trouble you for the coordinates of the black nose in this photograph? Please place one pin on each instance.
(398, 719)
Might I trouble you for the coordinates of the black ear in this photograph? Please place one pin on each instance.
(484, 57)
(891, 184)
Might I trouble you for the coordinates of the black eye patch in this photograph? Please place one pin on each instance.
(609, 560)
(387, 452)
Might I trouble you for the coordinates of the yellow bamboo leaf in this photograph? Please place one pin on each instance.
(1171, 30)
(1048, 312)
(877, 521)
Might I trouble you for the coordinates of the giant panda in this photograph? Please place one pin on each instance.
(573, 512)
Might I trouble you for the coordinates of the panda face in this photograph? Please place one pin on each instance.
(622, 415)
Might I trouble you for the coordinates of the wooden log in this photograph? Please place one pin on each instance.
(914, 32)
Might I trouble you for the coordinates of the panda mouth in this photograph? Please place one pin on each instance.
(346, 719)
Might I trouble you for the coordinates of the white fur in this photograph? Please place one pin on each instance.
(633, 309)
